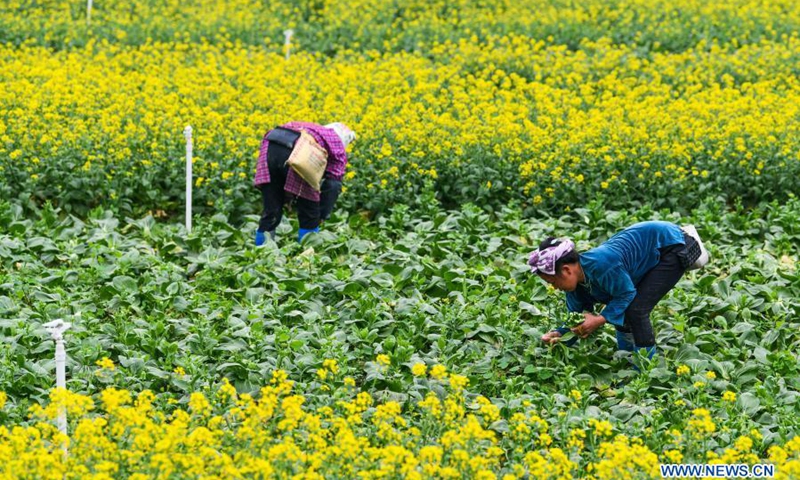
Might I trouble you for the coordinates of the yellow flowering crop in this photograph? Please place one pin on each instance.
(552, 122)
(330, 26)
(277, 434)
(419, 369)
(106, 363)
(383, 359)
(438, 371)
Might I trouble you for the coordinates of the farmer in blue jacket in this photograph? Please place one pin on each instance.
(629, 274)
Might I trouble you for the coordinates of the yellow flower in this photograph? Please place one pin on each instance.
(602, 428)
(458, 382)
(198, 403)
(743, 444)
(226, 389)
(673, 456)
(113, 399)
(438, 372)
(179, 371)
(431, 454)
(489, 411)
(576, 437)
(419, 369)
(106, 364)
(701, 424)
(576, 395)
(383, 359)
(682, 370)
(331, 365)
(729, 396)
(711, 375)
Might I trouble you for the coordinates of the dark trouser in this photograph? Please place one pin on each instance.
(650, 290)
(273, 197)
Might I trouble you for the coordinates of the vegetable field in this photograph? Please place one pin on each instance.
(403, 340)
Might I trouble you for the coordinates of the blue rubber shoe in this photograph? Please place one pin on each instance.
(304, 231)
(260, 238)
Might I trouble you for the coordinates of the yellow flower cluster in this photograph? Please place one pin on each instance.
(521, 426)
(329, 366)
(545, 118)
(701, 425)
(602, 428)
(226, 434)
(419, 369)
(106, 363)
(786, 459)
(625, 459)
(488, 410)
(439, 372)
(729, 396)
(406, 24)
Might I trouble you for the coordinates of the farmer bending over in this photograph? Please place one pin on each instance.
(629, 274)
(280, 184)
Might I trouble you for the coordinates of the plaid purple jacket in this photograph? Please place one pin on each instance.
(327, 139)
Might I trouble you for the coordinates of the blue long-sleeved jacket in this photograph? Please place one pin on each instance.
(614, 268)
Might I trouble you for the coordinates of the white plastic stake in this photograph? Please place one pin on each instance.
(88, 12)
(56, 328)
(287, 45)
(187, 132)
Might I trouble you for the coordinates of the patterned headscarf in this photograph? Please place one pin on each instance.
(544, 260)
(343, 132)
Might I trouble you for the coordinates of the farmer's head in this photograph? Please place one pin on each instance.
(556, 261)
(343, 132)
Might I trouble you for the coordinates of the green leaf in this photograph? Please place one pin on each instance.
(124, 284)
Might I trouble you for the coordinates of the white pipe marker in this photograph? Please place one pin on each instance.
(187, 132)
(56, 328)
(288, 42)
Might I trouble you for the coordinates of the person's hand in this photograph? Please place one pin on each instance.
(589, 325)
(551, 337)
